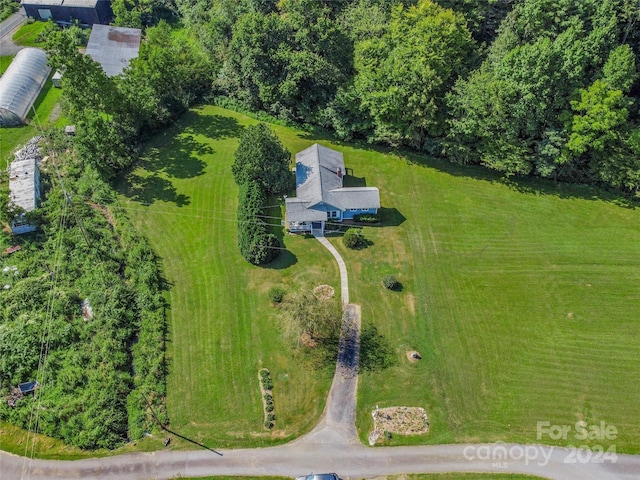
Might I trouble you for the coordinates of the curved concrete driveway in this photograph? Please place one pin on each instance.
(332, 446)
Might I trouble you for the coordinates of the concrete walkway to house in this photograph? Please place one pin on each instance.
(344, 279)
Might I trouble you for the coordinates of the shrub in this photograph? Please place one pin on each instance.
(269, 407)
(268, 424)
(267, 384)
(390, 282)
(264, 373)
(353, 238)
(366, 218)
(271, 417)
(276, 294)
(268, 397)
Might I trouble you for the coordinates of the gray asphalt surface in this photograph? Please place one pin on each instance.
(349, 461)
(7, 28)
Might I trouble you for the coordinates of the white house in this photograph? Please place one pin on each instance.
(320, 194)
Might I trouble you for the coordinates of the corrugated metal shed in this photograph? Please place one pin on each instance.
(113, 47)
(21, 84)
(24, 183)
(24, 191)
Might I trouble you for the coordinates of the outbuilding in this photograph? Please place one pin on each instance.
(113, 47)
(24, 192)
(65, 12)
(21, 84)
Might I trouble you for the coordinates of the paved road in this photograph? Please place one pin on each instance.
(349, 461)
(7, 28)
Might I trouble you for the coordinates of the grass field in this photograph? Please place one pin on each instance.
(27, 35)
(522, 297)
(5, 61)
(223, 328)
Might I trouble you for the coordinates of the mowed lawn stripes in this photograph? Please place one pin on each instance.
(222, 330)
(530, 302)
(521, 296)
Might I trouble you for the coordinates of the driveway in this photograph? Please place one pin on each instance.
(7, 29)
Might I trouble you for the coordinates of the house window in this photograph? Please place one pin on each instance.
(45, 13)
(353, 209)
(333, 214)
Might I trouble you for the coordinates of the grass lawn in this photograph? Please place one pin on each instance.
(522, 297)
(222, 326)
(5, 61)
(48, 114)
(27, 34)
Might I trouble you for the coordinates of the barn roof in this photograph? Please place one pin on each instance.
(113, 47)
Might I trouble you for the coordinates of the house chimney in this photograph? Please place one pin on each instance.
(339, 172)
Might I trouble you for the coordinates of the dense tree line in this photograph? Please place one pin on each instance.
(99, 366)
(539, 87)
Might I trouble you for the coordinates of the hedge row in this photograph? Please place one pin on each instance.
(256, 244)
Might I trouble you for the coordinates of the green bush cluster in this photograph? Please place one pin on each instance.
(103, 371)
(366, 218)
(354, 238)
(257, 245)
(276, 294)
(269, 406)
(390, 282)
(8, 8)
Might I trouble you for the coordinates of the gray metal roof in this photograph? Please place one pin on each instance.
(297, 211)
(23, 187)
(113, 47)
(356, 197)
(319, 175)
(21, 83)
(318, 171)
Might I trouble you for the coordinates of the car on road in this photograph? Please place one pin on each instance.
(319, 476)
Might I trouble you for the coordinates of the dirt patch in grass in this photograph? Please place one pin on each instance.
(414, 356)
(399, 420)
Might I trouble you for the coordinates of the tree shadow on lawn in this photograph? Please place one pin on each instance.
(177, 153)
(376, 353)
(284, 260)
(147, 190)
(215, 127)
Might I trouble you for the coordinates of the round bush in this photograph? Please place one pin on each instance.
(353, 238)
(390, 282)
(276, 294)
